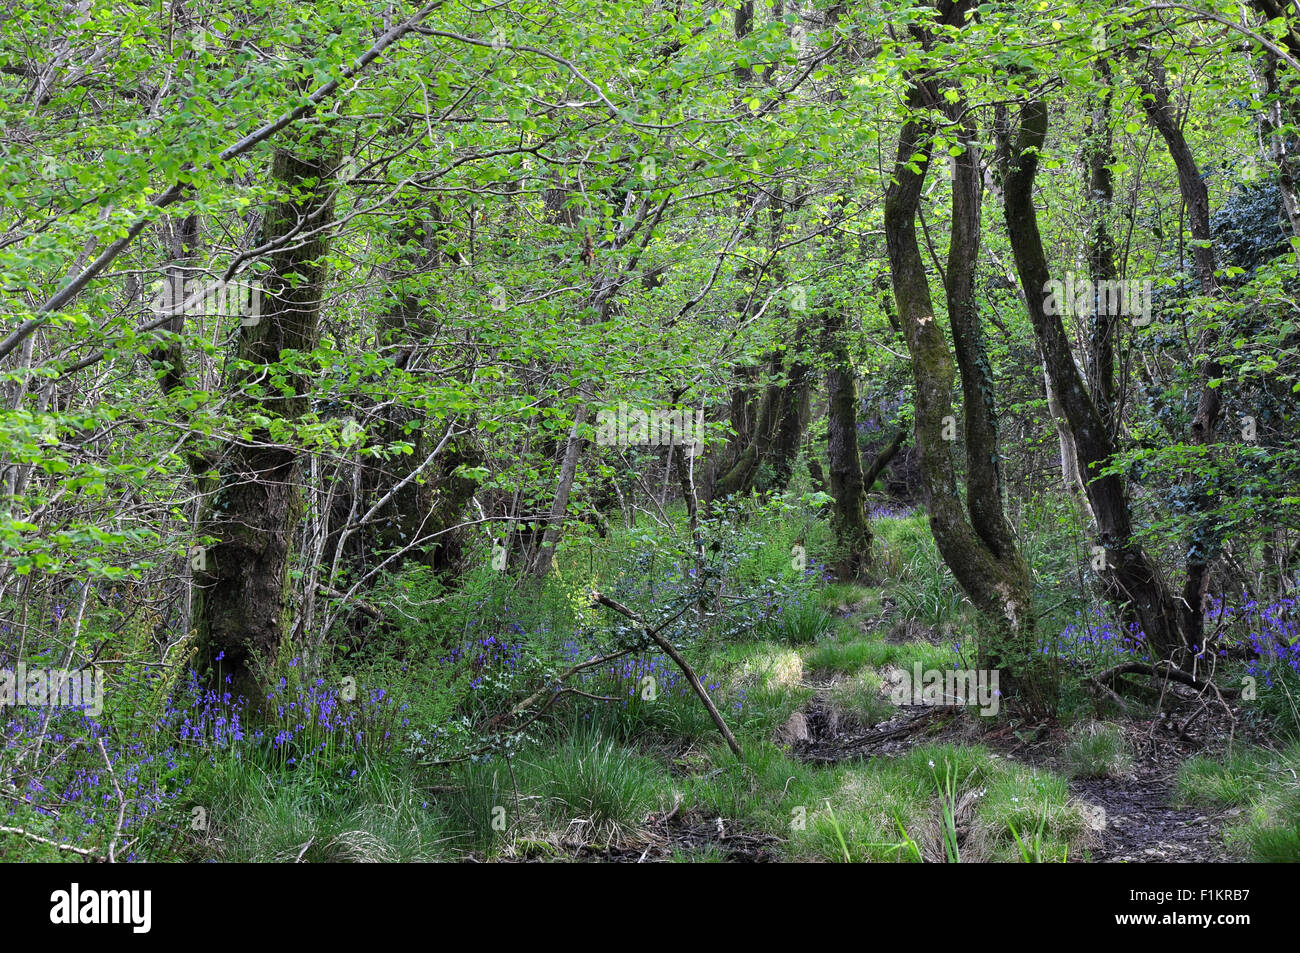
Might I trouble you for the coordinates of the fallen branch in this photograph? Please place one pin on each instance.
(603, 600)
(1161, 670)
(559, 679)
(45, 840)
(854, 748)
(1109, 693)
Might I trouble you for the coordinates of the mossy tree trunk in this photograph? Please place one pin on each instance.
(253, 503)
(1103, 326)
(1206, 538)
(847, 486)
(980, 551)
(1133, 581)
(847, 483)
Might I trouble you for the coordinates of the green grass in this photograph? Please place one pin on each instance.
(846, 657)
(1272, 835)
(895, 537)
(579, 785)
(934, 803)
(1264, 782)
(909, 808)
(765, 791)
(854, 650)
(1097, 749)
(1035, 807)
(766, 680)
(841, 597)
(1233, 781)
(589, 782)
(797, 623)
(671, 719)
(480, 809)
(859, 700)
(916, 576)
(384, 817)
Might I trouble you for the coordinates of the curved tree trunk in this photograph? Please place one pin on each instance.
(780, 423)
(1134, 584)
(990, 570)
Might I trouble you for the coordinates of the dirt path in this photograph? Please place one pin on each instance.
(1140, 824)
(1133, 818)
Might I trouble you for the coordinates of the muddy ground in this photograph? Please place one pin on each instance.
(1134, 817)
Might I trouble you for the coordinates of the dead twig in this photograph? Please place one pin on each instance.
(121, 800)
(45, 840)
(671, 650)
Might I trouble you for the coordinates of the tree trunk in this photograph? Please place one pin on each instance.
(1070, 474)
(1102, 324)
(1273, 120)
(997, 582)
(1133, 583)
(1206, 538)
(847, 486)
(253, 503)
(983, 466)
(560, 504)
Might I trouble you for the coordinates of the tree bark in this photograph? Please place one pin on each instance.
(995, 580)
(983, 467)
(253, 502)
(1206, 538)
(564, 487)
(847, 484)
(1102, 325)
(1133, 582)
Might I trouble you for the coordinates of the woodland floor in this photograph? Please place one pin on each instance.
(1132, 817)
(1137, 821)
(835, 746)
